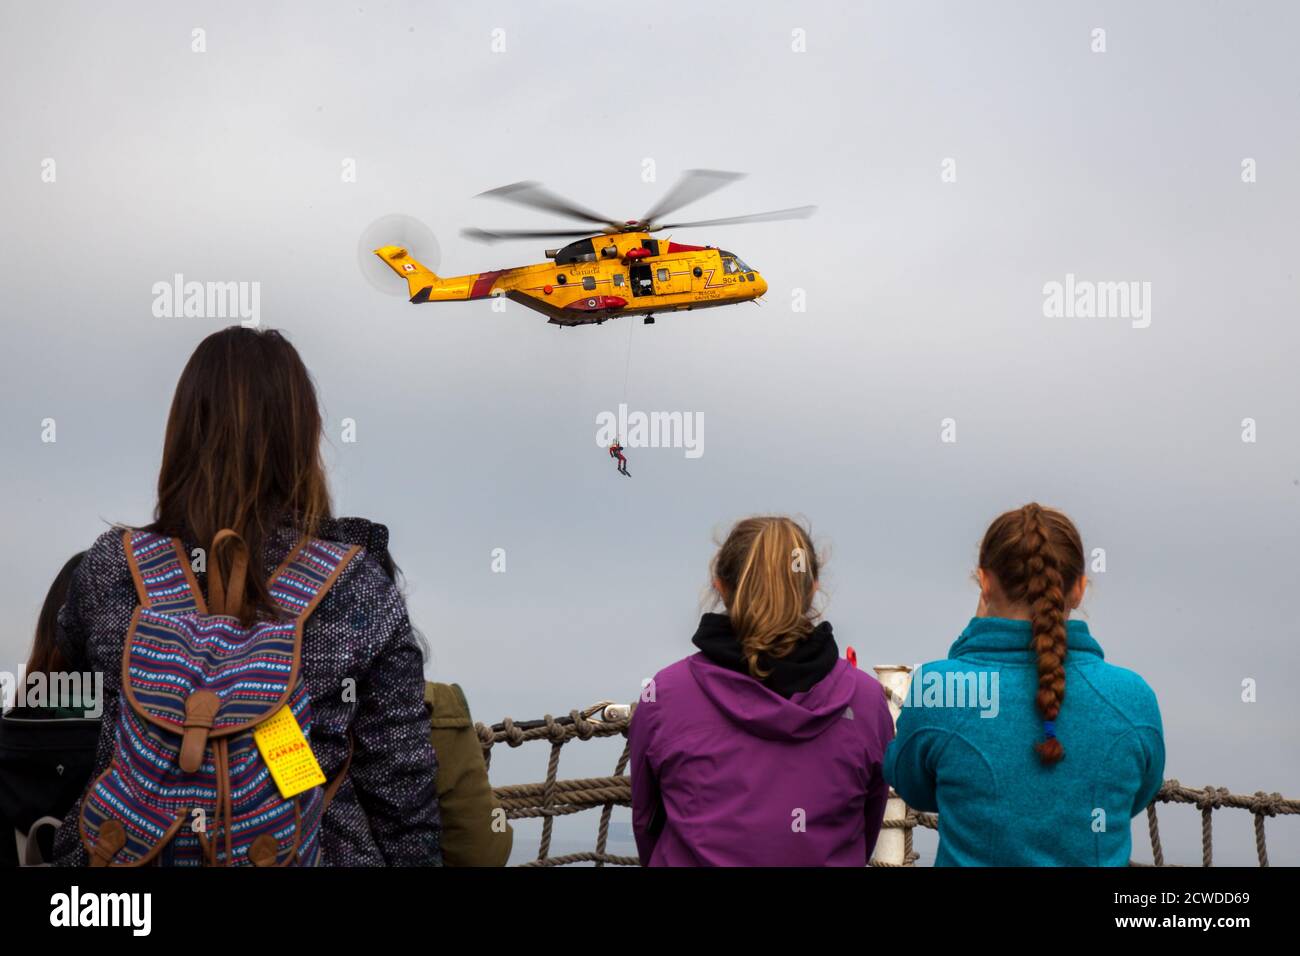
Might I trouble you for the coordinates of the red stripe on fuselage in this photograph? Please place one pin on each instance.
(483, 284)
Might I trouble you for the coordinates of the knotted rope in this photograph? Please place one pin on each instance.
(1209, 799)
(554, 797)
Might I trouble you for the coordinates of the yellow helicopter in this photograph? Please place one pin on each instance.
(620, 270)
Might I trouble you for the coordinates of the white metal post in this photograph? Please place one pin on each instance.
(895, 679)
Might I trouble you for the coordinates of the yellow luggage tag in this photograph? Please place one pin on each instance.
(287, 753)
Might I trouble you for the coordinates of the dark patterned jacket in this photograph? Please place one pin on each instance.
(386, 811)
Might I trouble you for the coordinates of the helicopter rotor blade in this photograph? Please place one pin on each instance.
(776, 215)
(500, 235)
(691, 185)
(537, 196)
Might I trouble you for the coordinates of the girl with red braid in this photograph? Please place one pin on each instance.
(1032, 748)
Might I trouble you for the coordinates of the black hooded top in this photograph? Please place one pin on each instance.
(808, 662)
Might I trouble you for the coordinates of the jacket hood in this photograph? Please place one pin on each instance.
(808, 661)
(761, 712)
(369, 534)
(359, 531)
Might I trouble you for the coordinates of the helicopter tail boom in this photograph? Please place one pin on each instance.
(419, 280)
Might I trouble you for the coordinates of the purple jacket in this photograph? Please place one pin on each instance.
(726, 772)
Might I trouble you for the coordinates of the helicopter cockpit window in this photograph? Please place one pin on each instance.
(732, 264)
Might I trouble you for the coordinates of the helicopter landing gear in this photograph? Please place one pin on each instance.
(649, 320)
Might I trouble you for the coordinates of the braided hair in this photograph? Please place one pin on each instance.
(1036, 556)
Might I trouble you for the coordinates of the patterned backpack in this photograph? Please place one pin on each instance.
(188, 784)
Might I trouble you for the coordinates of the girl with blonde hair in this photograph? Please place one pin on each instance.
(765, 748)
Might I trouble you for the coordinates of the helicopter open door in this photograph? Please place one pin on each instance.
(642, 279)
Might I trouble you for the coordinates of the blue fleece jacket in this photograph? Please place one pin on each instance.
(965, 749)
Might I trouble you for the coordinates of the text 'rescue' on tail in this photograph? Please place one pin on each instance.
(419, 280)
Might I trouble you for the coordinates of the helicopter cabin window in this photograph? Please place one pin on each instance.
(663, 275)
(618, 279)
(588, 282)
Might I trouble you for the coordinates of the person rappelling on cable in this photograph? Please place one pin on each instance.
(616, 451)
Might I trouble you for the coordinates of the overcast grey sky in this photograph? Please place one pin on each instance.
(924, 301)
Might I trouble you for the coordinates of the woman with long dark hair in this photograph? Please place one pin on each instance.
(241, 453)
(45, 657)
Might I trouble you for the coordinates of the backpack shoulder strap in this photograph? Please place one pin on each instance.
(307, 574)
(164, 580)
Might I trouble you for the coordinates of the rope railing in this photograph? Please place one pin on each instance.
(1209, 799)
(554, 797)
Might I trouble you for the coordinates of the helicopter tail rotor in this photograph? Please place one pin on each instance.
(400, 231)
